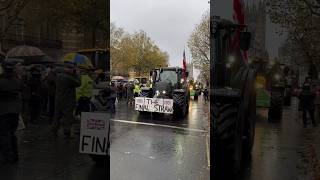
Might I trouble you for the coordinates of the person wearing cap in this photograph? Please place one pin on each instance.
(10, 108)
(65, 101)
(307, 97)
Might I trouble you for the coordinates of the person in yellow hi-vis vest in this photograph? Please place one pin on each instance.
(84, 94)
(136, 89)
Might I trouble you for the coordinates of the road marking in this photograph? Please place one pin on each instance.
(208, 151)
(160, 125)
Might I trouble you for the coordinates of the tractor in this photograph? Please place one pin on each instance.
(195, 89)
(99, 58)
(168, 83)
(232, 98)
(273, 85)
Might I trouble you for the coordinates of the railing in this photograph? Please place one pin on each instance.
(32, 41)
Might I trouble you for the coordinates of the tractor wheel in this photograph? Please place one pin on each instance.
(179, 105)
(287, 99)
(227, 135)
(250, 127)
(195, 97)
(100, 160)
(276, 106)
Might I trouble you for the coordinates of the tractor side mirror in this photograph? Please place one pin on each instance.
(245, 39)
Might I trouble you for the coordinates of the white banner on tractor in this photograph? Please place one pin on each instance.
(94, 133)
(154, 105)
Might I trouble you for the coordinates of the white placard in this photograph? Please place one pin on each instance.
(94, 133)
(154, 105)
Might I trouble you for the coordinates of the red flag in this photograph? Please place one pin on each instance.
(238, 16)
(184, 66)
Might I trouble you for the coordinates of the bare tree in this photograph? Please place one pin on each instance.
(199, 46)
(9, 12)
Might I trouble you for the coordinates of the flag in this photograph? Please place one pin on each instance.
(184, 66)
(238, 17)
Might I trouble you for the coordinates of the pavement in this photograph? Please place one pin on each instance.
(284, 150)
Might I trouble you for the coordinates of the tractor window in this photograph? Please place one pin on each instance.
(170, 76)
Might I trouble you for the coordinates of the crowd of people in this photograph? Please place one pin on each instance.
(53, 94)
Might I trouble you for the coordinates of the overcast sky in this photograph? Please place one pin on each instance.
(168, 22)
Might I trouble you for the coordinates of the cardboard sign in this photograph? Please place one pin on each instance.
(154, 105)
(94, 133)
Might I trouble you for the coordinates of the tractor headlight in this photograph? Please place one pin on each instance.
(164, 92)
(157, 92)
(191, 88)
(182, 80)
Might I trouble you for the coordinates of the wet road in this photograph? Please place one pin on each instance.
(284, 150)
(145, 147)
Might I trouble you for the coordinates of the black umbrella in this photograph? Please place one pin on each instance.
(14, 60)
(30, 55)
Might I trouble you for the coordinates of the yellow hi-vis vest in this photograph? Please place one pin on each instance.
(136, 89)
(86, 88)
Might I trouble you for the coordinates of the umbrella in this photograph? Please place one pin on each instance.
(30, 55)
(25, 51)
(14, 60)
(82, 61)
(133, 80)
(117, 78)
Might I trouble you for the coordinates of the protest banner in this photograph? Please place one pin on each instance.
(154, 105)
(94, 133)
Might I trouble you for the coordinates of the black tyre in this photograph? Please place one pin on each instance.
(250, 128)
(100, 160)
(227, 138)
(179, 105)
(287, 99)
(195, 97)
(276, 106)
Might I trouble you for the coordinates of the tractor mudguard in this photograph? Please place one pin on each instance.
(226, 95)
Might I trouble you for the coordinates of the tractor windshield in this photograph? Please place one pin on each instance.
(169, 76)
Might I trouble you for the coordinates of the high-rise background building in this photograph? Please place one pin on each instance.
(256, 16)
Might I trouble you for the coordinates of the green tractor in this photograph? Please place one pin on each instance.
(273, 86)
(195, 89)
(168, 83)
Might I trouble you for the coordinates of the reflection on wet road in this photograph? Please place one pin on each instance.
(284, 150)
(145, 147)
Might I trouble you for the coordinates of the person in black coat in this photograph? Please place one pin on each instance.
(307, 101)
(10, 108)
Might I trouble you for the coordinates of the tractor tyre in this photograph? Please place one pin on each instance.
(276, 106)
(287, 100)
(195, 97)
(179, 105)
(227, 138)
